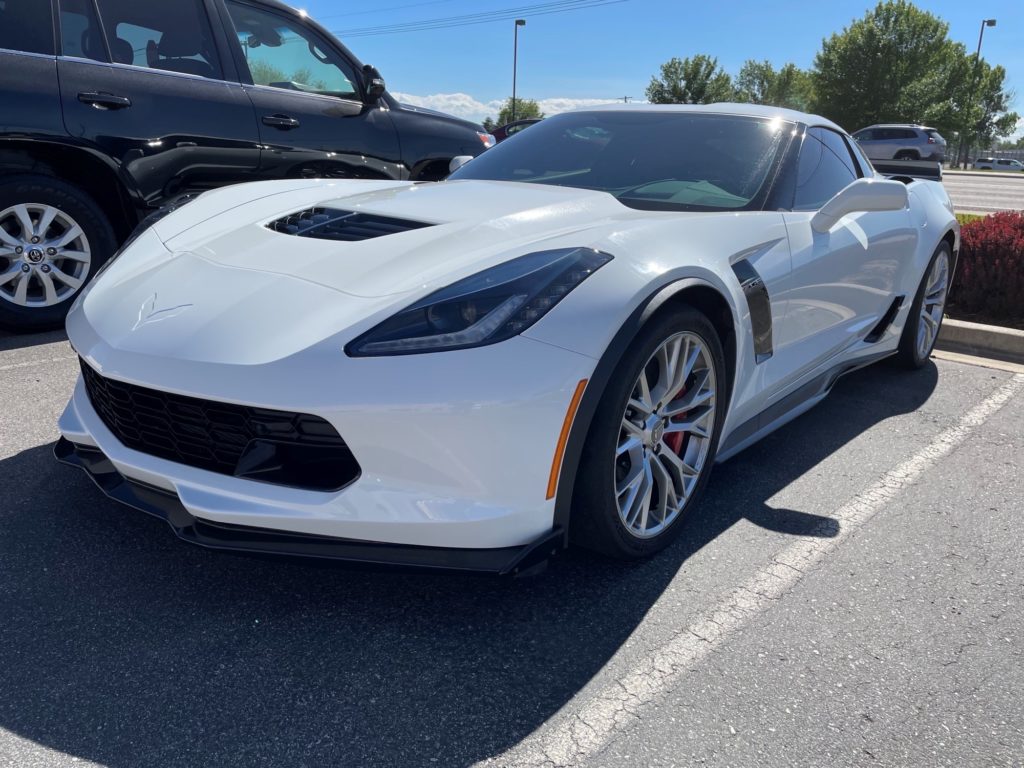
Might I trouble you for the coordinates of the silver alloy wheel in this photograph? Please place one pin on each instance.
(932, 305)
(666, 434)
(44, 255)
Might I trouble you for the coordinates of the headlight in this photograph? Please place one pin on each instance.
(488, 307)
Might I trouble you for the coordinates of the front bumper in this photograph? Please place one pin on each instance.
(505, 561)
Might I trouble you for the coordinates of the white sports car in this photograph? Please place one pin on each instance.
(554, 345)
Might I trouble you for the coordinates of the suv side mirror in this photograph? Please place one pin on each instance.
(373, 83)
(859, 196)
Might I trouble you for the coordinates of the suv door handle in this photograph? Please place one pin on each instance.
(284, 122)
(104, 100)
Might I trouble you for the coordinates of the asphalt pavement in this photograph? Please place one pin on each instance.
(985, 193)
(851, 593)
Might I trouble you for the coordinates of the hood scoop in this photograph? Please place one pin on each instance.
(337, 224)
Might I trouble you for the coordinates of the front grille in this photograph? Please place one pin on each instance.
(279, 447)
(336, 224)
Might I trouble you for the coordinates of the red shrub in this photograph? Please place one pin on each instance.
(990, 276)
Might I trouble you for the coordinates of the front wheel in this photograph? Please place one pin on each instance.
(650, 448)
(925, 319)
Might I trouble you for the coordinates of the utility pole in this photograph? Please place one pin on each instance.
(515, 62)
(977, 63)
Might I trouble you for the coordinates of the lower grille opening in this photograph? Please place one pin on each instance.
(280, 447)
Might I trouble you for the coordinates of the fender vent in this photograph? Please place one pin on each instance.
(336, 224)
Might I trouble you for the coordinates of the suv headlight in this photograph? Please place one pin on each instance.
(485, 308)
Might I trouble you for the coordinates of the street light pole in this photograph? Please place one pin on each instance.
(515, 62)
(977, 64)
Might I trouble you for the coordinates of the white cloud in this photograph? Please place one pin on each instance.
(465, 106)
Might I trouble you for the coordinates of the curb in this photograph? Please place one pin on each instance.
(982, 340)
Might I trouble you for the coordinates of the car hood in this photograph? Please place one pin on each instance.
(213, 283)
(466, 226)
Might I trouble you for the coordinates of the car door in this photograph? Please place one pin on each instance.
(869, 140)
(308, 97)
(145, 83)
(842, 281)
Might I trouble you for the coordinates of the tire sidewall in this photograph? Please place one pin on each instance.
(908, 341)
(595, 520)
(45, 190)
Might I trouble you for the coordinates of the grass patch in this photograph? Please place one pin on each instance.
(965, 218)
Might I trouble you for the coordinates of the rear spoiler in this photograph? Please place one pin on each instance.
(908, 170)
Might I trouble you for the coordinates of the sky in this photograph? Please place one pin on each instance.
(609, 51)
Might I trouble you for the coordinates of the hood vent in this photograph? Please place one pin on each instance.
(336, 224)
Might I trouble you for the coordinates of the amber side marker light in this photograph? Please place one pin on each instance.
(563, 438)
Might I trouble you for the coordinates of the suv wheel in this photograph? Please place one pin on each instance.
(53, 239)
(906, 154)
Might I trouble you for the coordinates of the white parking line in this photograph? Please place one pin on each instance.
(584, 728)
(30, 363)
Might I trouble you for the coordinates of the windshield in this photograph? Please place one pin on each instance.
(646, 159)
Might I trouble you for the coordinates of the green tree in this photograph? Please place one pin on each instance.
(694, 80)
(759, 83)
(489, 124)
(525, 108)
(893, 65)
(991, 116)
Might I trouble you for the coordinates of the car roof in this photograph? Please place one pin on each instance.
(722, 108)
(899, 125)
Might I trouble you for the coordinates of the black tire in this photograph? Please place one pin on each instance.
(81, 208)
(595, 522)
(908, 356)
(906, 154)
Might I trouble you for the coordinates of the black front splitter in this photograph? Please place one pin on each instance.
(507, 561)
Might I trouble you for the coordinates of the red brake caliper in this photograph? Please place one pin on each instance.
(675, 439)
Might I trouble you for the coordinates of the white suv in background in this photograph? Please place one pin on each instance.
(998, 164)
(901, 142)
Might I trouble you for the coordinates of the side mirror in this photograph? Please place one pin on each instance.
(457, 162)
(373, 83)
(860, 196)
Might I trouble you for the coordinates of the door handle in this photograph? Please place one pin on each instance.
(104, 100)
(284, 122)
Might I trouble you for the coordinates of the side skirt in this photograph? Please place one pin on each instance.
(788, 408)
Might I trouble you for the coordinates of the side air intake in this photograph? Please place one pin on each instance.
(335, 224)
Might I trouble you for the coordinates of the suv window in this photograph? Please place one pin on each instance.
(908, 133)
(26, 25)
(281, 54)
(820, 175)
(171, 37)
(866, 135)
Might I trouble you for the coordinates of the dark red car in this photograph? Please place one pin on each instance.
(510, 129)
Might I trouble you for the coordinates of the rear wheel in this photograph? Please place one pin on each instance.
(925, 319)
(905, 154)
(53, 238)
(653, 440)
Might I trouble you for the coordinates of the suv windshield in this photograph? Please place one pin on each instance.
(669, 161)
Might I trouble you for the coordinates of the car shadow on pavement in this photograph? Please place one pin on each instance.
(10, 340)
(121, 645)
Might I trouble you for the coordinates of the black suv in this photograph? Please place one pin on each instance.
(110, 109)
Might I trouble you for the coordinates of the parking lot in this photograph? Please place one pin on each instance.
(849, 594)
(985, 193)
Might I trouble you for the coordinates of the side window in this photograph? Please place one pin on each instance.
(837, 144)
(80, 34)
(174, 37)
(282, 54)
(866, 169)
(820, 175)
(864, 135)
(908, 133)
(26, 25)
